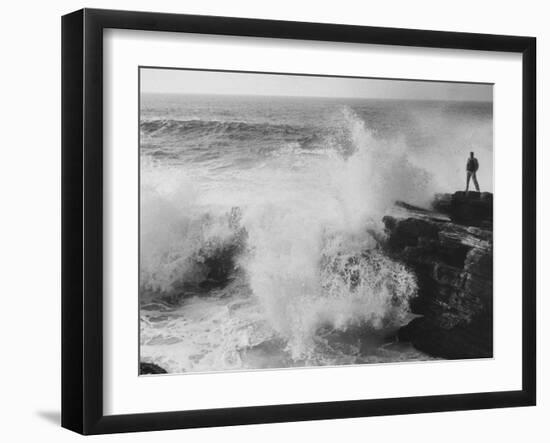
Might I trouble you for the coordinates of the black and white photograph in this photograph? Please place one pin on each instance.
(266, 222)
(291, 221)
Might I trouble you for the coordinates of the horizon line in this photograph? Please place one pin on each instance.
(317, 96)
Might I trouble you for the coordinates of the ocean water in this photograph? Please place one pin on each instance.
(260, 221)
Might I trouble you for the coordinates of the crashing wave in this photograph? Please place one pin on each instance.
(299, 237)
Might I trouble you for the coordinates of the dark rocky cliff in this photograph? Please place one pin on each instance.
(450, 249)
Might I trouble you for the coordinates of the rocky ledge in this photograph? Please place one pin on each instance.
(450, 249)
(469, 208)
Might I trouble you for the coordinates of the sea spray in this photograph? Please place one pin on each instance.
(181, 242)
(305, 252)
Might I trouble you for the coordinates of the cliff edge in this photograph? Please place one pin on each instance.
(450, 249)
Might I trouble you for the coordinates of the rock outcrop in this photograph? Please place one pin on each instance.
(150, 368)
(451, 253)
(470, 208)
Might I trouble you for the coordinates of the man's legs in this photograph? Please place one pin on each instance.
(475, 181)
(468, 175)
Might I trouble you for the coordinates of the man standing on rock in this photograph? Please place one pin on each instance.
(471, 168)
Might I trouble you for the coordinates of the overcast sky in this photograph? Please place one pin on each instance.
(181, 81)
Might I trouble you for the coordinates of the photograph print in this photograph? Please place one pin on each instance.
(291, 221)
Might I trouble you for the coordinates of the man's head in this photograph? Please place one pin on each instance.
(471, 154)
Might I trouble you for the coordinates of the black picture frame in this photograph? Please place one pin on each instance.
(82, 220)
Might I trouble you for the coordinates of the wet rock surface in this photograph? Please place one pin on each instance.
(450, 249)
